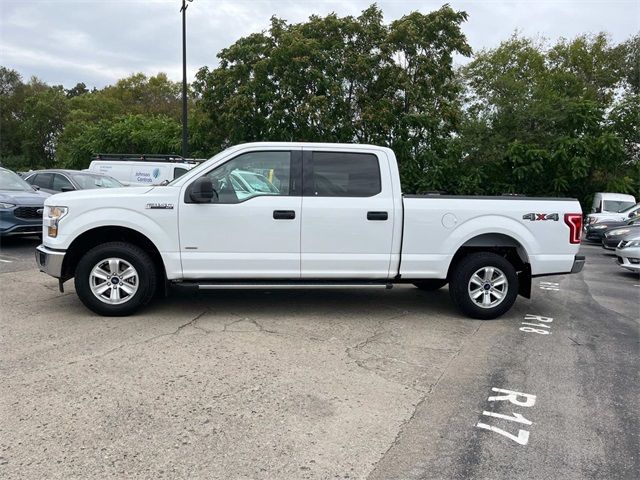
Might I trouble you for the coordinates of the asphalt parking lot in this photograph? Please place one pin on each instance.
(321, 384)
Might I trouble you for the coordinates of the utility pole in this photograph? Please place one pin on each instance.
(185, 131)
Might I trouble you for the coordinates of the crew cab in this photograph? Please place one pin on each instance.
(335, 216)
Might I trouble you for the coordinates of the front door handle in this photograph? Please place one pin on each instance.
(284, 214)
(381, 216)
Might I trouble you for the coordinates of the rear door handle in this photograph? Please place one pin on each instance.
(284, 214)
(382, 216)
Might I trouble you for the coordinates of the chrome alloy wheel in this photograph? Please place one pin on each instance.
(113, 281)
(488, 287)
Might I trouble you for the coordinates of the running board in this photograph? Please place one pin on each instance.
(283, 285)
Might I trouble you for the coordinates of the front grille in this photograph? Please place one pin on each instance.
(28, 212)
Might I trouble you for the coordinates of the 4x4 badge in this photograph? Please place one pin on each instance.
(541, 216)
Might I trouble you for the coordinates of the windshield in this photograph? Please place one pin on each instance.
(12, 182)
(616, 205)
(628, 209)
(87, 181)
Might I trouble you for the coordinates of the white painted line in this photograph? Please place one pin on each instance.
(516, 398)
(512, 396)
(528, 316)
(515, 418)
(5, 261)
(537, 318)
(521, 439)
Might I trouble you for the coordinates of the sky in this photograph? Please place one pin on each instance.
(99, 41)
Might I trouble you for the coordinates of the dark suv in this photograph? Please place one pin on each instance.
(21, 206)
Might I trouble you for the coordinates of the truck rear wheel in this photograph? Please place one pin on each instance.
(483, 285)
(115, 279)
(430, 284)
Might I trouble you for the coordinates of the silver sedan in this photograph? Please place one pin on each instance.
(628, 253)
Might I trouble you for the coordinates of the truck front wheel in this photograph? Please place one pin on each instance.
(483, 285)
(115, 279)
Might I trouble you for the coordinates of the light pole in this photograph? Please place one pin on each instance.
(185, 132)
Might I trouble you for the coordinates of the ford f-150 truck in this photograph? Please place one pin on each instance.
(335, 216)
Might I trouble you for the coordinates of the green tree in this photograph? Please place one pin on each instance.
(549, 120)
(42, 123)
(122, 134)
(11, 100)
(342, 79)
(138, 93)
(79, 89)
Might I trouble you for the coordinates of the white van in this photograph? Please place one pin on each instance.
(141, 170)
(604, 202)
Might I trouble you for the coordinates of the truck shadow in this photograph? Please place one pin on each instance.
(317, 302)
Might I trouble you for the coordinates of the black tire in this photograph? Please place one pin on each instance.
(136, 257)
(460, 278)
(430, 284)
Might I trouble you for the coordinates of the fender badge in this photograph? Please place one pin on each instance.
(160, 206)
(541, 216)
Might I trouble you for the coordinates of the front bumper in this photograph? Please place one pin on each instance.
(10, 224)
(629, 258)
(578, 264)
(49, 261)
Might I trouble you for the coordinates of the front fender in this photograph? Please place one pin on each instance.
(162, 231)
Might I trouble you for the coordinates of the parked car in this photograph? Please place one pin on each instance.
(21, 206)
(626, 214)
(595, 232)
(628, 253)
(605, 202)
(613, 236)
(141, 169)
(59, 180)
(347, 224)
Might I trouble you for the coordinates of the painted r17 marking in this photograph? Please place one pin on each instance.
(515, 398)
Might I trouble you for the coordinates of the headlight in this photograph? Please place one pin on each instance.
(52, 217)
(7, 205)
(599, 227)
(622, 231)
(633, 243)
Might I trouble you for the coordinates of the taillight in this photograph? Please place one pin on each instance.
(574, 221)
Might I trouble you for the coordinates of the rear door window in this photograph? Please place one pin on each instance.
(338, 174)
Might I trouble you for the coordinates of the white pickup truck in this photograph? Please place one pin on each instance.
(314, 215)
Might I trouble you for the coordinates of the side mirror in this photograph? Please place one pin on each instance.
(201, 191)
(67, 189)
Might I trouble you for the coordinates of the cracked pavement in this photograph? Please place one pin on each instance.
(313, 384)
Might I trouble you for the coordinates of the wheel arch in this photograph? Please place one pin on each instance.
(99, 235)
(501, 244)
